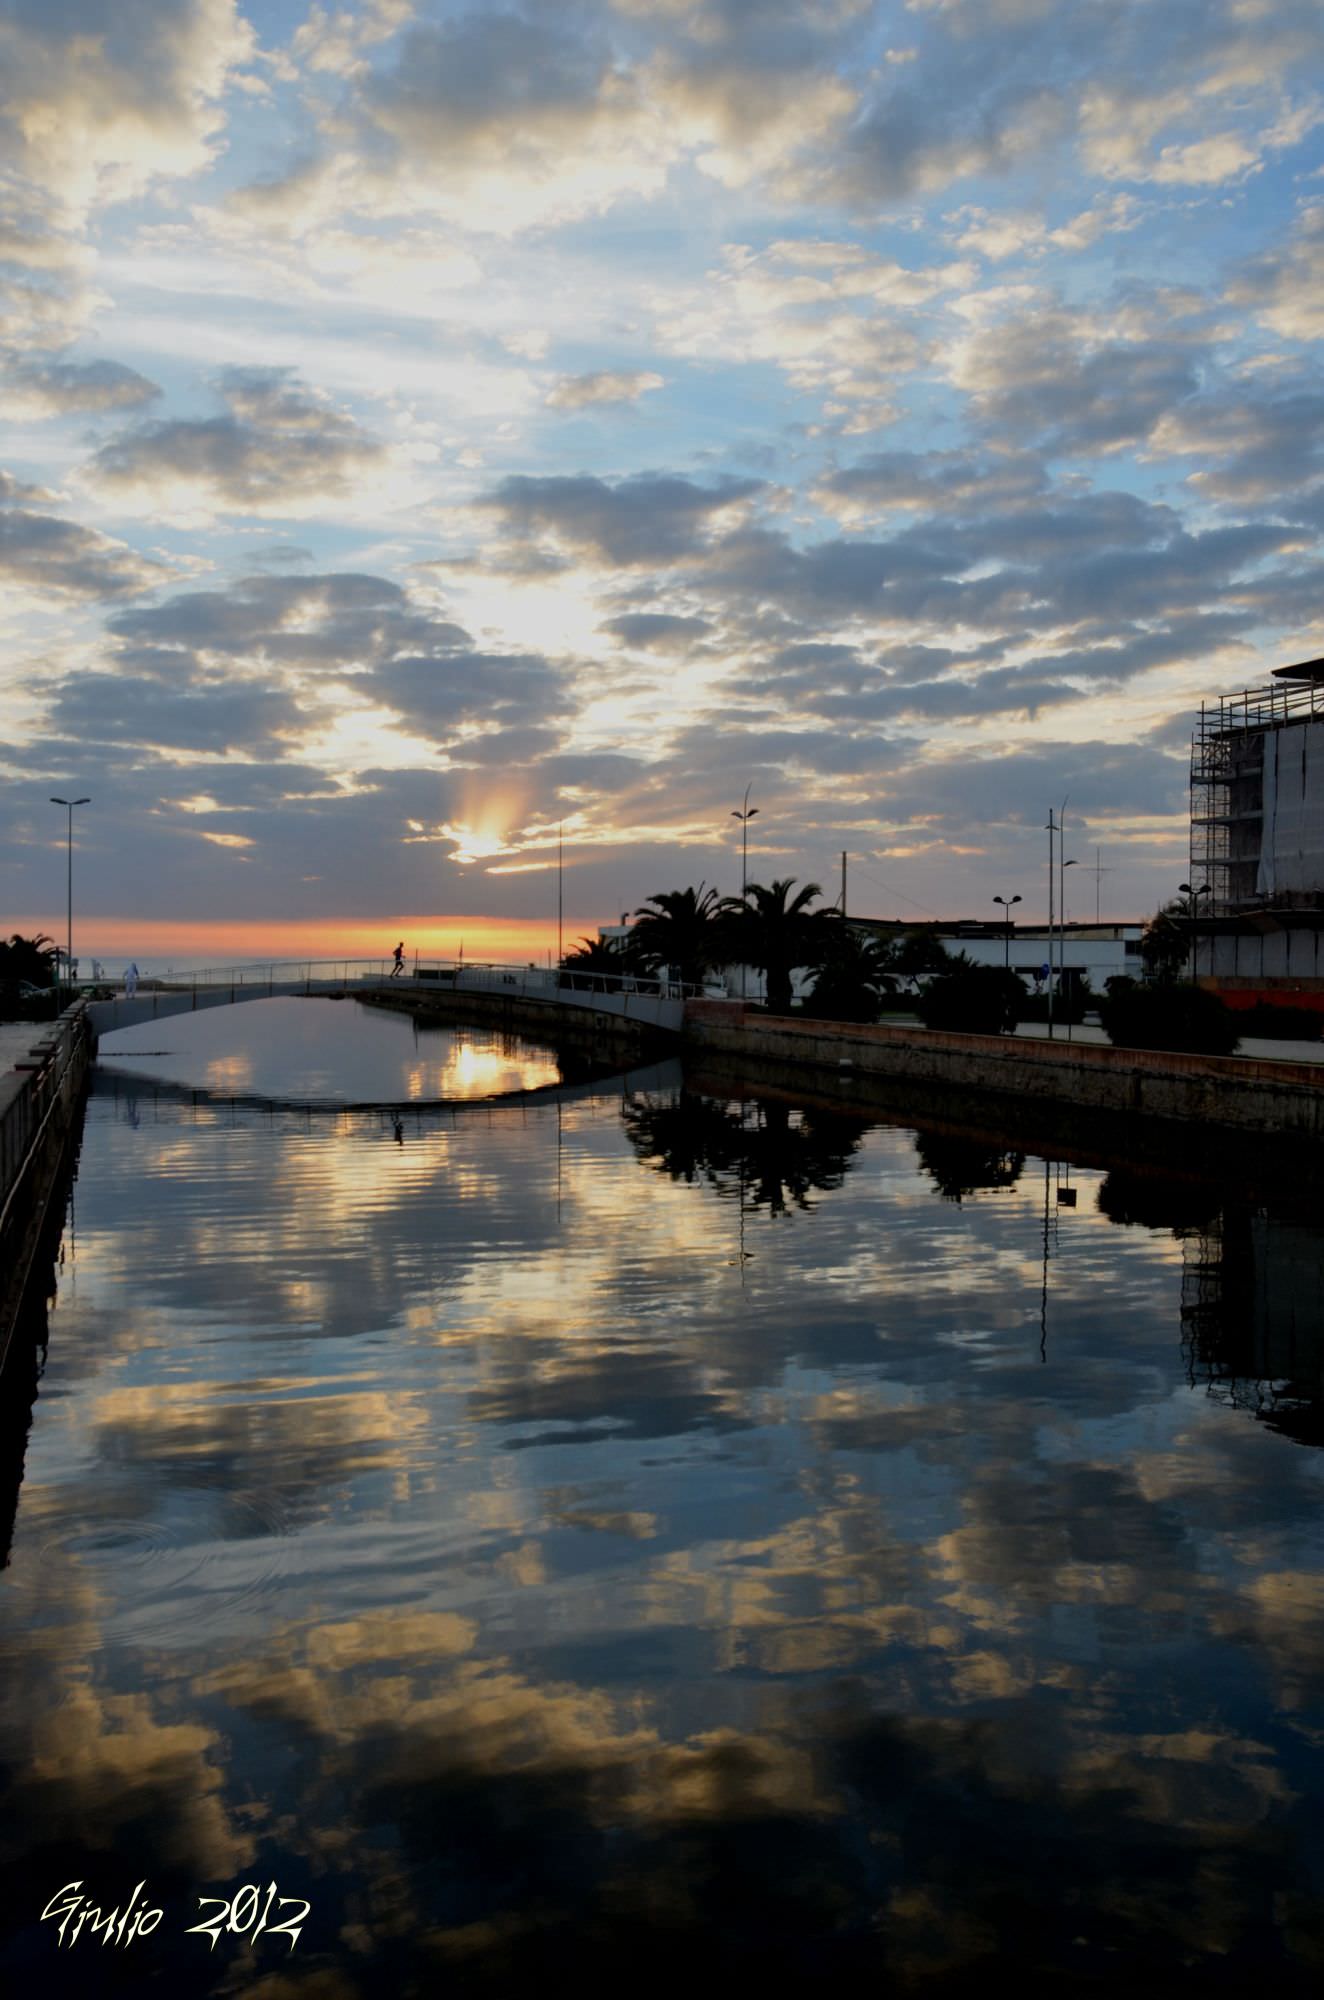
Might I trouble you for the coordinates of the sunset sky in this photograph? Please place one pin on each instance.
(427, 424)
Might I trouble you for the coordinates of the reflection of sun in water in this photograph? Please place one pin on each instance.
(481, 1068)
(233, 1072)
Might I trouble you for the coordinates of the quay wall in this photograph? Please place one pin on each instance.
(592, 1029)
(39, 1105)
(1226, 1091)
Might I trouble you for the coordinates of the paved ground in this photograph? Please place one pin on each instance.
(16, 1038)
(1251, 1045)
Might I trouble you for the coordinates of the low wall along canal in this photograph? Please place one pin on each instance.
(1230, 1091)
(39, 1105)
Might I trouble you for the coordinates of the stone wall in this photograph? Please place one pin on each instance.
(1234, 1091)
(40, 1101)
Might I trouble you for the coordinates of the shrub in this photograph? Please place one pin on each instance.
(1282, 1024)
(1070, 1004)
(974, 1000)
(1175, 1016)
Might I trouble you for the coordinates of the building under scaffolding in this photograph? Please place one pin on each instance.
(1257, 839)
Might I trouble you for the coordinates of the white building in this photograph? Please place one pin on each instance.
(1098, 951)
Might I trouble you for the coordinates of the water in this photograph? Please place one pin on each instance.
(647, 1530)
(320, 1050)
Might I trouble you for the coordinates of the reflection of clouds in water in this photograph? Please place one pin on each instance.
(814, 1618)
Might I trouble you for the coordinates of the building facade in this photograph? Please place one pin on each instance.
(1257, 840)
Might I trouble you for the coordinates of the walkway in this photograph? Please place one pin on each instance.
(657, 1003)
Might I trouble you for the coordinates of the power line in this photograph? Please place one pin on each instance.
(869, 876)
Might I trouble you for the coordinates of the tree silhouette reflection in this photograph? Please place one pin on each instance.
(763, 1153)
(958, 1167)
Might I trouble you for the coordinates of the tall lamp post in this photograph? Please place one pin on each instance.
(1185, 889)
(1006, 902)
(1051, 831)
(69, 804)
(745, 815)
(1062, 927)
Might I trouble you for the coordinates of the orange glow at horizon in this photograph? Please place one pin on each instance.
(518, 939)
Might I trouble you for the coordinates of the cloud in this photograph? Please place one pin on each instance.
(1285, 285)
(1038, 374)
(503, 121)
(61, 388)
(658, 631)
(649, 518)
(577, 392)
(280, 449)
(1263, 443)
(101, 96)
(96, 708)
(41, 553)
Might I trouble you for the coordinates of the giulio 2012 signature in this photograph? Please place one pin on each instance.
(242, 1914)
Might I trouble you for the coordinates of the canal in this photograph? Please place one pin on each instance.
(631, 1529)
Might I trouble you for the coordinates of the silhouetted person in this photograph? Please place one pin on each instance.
(399, 956)
(398, 1127)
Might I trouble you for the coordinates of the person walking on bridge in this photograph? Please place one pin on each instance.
(399, 957)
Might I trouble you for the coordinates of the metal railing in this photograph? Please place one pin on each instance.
(472, 975)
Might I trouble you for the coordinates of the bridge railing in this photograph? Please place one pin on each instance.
(471, 975)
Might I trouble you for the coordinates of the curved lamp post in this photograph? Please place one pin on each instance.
(1006, 902)
(746, 813)
(69, 885)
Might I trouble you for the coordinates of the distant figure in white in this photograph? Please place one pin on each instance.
(130, 981)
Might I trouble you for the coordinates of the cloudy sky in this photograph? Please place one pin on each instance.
(426, 424)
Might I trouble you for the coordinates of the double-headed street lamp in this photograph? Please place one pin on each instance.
(1006, 902)
(746, 813)
(69, 885)
(1185, 889)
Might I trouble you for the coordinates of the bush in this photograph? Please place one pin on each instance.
(18, 1003)
(1072, 1004)
(1280, 1024)
(1176, 1016)
(976, 1000)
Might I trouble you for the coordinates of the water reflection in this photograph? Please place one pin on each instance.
(771, 1155)
(296, 1050)
(424, 1512)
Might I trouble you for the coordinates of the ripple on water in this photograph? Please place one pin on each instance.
(159, 1581)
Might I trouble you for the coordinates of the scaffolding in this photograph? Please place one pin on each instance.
(1227, 784)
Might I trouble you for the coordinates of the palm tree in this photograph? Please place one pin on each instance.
(680, 928)
(772, 929)
(29, 959)
(853, 978)
(916, 955)
(602, 955)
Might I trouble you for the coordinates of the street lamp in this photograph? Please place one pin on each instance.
(1185, 889)
(1062, 929)
(69, 884)
(1055, 826)
(1006, 902)
(745, 815)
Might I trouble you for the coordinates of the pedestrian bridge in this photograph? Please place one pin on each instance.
(655, 1003)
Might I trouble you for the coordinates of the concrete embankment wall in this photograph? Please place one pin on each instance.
(39, 1111)
(557, 1022)
(1225, 1091)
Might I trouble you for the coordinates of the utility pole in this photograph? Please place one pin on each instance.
(560, 888)
(1097, 872)
(843, 882)
(1052, 829)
